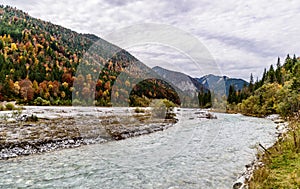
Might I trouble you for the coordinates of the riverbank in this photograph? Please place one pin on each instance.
(279, 165)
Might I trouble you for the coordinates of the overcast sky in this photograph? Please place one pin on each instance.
(242, 36)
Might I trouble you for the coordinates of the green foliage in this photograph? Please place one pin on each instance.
(277, 92)
(41, 102)
(146, 90)
(204, 98)
(10, 106)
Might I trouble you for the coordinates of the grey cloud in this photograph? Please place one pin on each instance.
(237, 33)
(262, 48)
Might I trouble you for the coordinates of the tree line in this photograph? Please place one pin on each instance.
(276, 92)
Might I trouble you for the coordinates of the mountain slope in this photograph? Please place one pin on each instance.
(178, 79)
(42, 64)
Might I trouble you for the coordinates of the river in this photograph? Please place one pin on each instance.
(194, 153)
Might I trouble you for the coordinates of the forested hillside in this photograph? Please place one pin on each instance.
(39, 60)
(276, 92)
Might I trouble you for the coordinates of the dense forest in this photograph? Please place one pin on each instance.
(276, 92)
(39, 63)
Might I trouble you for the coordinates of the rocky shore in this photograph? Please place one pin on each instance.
(38, 129)
(241, 182)
(62, 128)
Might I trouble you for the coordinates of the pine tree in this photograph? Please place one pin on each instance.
(232, 97)
(251, 87)
(288, 65)
(264, 77)
(294, 60)
(271, 74)
(278, 74)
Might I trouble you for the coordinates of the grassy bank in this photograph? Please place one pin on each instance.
(281, 162)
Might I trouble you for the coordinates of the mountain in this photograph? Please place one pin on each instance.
(218, 84)
(178, 79)
(46, 64)
(221, 83)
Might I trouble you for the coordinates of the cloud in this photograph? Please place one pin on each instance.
(237, 33)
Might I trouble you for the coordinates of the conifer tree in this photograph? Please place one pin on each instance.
(278, 74)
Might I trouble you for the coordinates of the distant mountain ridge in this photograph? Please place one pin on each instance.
(187, 83)
(182, 81)
(212, 81)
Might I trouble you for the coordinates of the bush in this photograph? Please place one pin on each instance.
(169, 104)
(76, 102)
(139, 110)
(41, 102)
(10, 106)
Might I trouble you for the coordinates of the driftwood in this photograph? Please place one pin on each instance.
(264, 148)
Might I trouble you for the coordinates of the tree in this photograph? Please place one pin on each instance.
(251, 88)
(294, 60)
(271, 74)
(278, 74)
(26, 90)
(232, 97)
(1, 45)
(264, 77)
(288, 65)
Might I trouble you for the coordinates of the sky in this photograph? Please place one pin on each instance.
(242, 37)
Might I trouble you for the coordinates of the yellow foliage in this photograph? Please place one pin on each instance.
(63, 94)
(65, 84)
(13, 47)
(127, 83)
(16, 87)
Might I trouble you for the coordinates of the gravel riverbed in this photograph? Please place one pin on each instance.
(69, 127)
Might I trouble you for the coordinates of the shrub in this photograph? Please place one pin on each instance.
(41, 102)
(76, 102)
(10, 106)
(139, 110)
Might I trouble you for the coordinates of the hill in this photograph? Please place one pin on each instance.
(46, 64)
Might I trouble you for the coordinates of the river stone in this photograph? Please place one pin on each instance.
(237, 185)
(277, 121)
(11, 120)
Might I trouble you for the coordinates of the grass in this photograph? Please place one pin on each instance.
(282, 166)
(8, 106)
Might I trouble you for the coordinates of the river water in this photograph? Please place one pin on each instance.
(194, 153)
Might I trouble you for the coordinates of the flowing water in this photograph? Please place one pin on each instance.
(194, 153)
